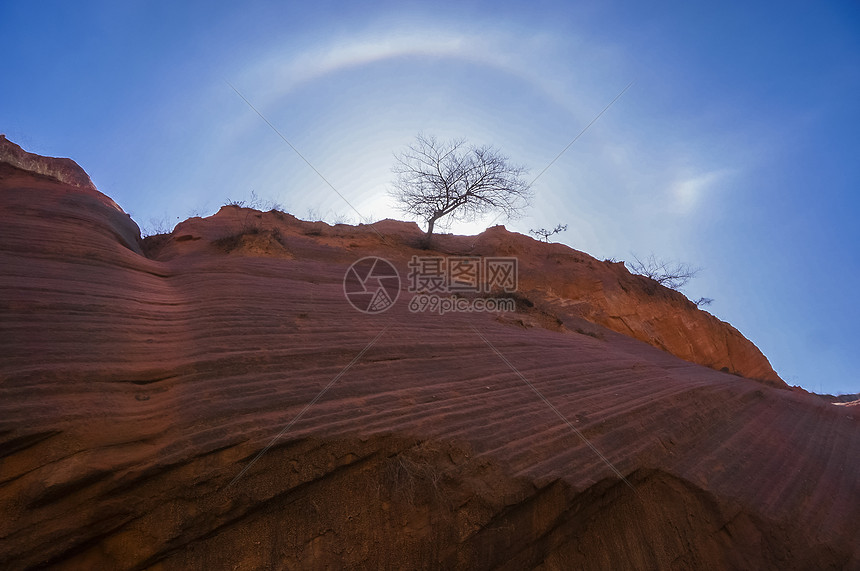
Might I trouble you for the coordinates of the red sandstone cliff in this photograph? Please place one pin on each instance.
(139, 378)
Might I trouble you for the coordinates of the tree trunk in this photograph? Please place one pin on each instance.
(426, 241)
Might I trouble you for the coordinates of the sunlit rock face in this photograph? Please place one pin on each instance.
(62, 170)
(154, 407)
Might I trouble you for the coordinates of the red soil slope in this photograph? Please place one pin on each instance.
(139, 379)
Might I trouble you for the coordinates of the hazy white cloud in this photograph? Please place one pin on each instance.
(687, 192)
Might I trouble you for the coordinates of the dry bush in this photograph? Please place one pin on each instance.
(673, 275)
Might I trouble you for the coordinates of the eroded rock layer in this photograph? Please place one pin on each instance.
(157, 409)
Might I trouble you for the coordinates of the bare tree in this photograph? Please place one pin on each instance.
(673, 275)
(544, 234)
(437, 179)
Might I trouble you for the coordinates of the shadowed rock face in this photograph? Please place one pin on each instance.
(138, 379)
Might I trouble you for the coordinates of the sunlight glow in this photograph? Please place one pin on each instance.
(688, 192)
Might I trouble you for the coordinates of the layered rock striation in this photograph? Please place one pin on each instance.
(209, 399)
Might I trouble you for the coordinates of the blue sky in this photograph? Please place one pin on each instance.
(736, 149)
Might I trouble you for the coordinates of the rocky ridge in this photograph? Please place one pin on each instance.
(154, 408)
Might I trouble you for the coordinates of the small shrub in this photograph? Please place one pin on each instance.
(544, 234)
(256, 202)
(673, 275)
(156, 227)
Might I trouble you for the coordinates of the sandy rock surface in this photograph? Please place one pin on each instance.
(154, 408)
